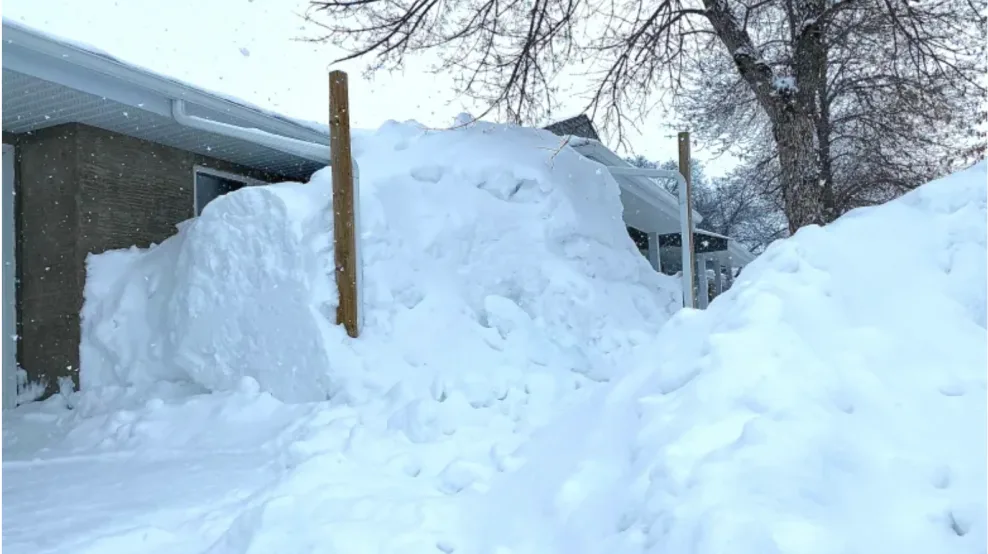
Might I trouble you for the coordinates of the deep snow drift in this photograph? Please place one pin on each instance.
(500, 283)
(832, 401)
(490, 252)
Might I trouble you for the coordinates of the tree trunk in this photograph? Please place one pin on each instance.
(801, 191)
(791, 109)
(796, 126)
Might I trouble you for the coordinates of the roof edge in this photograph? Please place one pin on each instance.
(57, 50)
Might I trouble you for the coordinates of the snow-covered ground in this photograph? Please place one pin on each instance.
(520, 386)
(834, 400)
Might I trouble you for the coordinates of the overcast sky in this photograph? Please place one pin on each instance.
(249, 49)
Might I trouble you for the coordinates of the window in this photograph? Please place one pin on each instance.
(641, 240)
(210, 184)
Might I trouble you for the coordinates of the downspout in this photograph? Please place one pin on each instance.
(685, 231)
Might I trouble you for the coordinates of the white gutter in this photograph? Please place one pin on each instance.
(303, 149)
(686, 233)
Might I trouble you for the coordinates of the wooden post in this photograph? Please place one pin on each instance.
(684, 169)
(344, 198)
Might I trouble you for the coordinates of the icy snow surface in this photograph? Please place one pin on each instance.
(833, 401)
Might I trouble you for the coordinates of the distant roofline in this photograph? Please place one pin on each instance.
(580, 123)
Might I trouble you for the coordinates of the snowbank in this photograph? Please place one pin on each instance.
(491, 254)
(817, 407)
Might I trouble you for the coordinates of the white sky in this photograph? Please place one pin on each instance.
(200, 41)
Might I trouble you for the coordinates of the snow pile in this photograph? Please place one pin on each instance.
(492, 255)
(816, 407)
(500, 283)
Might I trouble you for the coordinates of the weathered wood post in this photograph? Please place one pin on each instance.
(684, 169)
(344, 199)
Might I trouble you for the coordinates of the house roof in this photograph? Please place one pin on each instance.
(48, 81)
(578, 126)
(647, 207)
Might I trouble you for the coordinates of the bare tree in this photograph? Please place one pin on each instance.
(813, 78)
(887, 119)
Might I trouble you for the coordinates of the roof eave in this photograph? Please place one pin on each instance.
(39, 55)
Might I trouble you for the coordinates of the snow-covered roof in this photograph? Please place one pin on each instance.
(49, 81)
(577, 126)
(645, 190)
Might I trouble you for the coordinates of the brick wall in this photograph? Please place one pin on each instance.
(85, 190)
(49, 280)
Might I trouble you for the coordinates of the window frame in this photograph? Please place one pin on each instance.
(213, 172)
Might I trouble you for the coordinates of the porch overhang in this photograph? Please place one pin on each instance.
(711, 246)
(648, 206)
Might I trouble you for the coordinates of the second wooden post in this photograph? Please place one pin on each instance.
(344, 201)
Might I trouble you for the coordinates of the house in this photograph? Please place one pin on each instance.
(99, 154)
(105, 155)
(652, 213)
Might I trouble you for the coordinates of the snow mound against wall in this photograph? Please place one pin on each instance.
(832, 401)
(489, 251)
